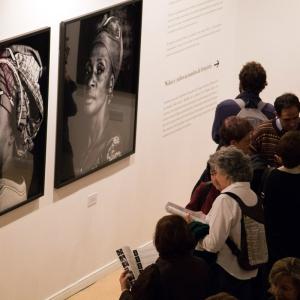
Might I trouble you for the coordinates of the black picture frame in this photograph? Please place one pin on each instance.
(97, 90)
(24, 80)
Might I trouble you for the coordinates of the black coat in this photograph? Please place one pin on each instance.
(173, 279)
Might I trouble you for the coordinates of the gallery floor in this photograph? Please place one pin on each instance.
(108, 288)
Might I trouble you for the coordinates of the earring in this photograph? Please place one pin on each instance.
(110, 96)
(11, 140)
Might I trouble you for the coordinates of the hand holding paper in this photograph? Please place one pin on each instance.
(188, 214)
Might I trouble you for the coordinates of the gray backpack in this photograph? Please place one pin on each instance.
(254, 251)
(254, 115)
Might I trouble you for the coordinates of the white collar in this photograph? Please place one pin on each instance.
(278, 124)
(239, 184)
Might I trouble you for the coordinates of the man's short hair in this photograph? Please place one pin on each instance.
(288, 149)
(234, 128)
(253, 77)
(286, 100)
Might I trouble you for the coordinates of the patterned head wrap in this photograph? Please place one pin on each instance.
(109, 34)
(20, 70)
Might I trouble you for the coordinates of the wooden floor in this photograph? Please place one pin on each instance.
(108, 288)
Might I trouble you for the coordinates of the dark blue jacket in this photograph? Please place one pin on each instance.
(229, 107)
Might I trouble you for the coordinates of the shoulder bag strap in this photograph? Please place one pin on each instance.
(261, 105)
(230, 243)
(240, 102)
(241, 204)
(255, 212)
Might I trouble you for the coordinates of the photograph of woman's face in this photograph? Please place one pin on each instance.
(24, 74)
(99, 72)
(98, 80)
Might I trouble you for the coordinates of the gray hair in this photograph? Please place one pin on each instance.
(288, 266)
(233, 163)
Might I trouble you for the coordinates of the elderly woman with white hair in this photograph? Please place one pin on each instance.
(230, 172)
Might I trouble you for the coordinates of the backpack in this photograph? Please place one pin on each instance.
(254, 251)
(254, 115)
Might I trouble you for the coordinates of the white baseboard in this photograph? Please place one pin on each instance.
(89, 279)
(85, 281)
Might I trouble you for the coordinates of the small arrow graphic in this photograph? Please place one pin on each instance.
(217, 63)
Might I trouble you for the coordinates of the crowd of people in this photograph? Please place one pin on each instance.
(250, 183)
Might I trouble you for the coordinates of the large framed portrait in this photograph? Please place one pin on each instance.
(24, 73)
(98, 90)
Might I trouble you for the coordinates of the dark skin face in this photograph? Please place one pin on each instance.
(99, 80)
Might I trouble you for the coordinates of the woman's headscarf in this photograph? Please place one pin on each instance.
(20, 70)
(109, 34)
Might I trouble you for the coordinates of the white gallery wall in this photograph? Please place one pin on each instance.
(191, 53)
(268, 33)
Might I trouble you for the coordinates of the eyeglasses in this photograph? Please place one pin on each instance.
(213, 172)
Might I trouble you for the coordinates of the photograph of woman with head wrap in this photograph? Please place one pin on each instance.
(23, 95)
(101, 72)
(103, 62)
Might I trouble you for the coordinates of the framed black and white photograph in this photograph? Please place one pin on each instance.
(24, 73)
(98, 90)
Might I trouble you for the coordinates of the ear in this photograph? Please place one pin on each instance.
(111, 84)
(240, 88)
(278, 159)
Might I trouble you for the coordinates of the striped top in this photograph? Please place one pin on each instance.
(264, 141)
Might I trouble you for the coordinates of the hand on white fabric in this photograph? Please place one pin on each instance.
(188, 218)
(201, 215)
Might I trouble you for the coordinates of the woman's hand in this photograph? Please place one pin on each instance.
(188, 218)
(124, 280)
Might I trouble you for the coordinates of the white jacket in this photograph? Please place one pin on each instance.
(224, 220)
